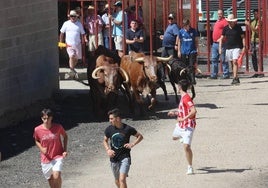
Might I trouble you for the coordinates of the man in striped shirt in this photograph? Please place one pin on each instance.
(186, 117)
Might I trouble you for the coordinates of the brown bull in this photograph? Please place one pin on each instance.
(142, 72)
(108, 73)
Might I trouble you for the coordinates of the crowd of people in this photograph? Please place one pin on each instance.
(109, 27)
(228, 39)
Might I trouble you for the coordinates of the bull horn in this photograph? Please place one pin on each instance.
(94, 73)
(139, 59)
(125, 75)
(164, 59)
(182, 71)
(169, 67)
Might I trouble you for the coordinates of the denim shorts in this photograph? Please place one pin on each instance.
(121, 167)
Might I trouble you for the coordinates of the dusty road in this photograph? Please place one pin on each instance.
(229, 144)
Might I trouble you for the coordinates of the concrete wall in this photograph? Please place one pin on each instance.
(28, 56)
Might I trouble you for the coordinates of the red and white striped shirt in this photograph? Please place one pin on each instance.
(184, 109)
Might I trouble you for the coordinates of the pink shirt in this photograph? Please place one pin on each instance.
(91, 24)
(184, 109)
(217, 29)
(50, 138)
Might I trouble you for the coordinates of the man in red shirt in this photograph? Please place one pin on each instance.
(52, 149)
(186, 117)
(217, 31)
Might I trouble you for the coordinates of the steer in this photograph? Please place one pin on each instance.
(179, 71)
(141, 70)
(105, 78)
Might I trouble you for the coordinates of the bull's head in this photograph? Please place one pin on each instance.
(150, 65)
(109, 75)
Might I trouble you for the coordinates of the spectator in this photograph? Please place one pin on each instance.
(235, 40)
(73, 30)
(134, 37)
(117, 19)
(94, 26)
(254, 28)
(119, 148)
(51, 140)
(169, 42)
(131, 15)
(107, 27)
(187, 47)
(217, 31)
(186, 117)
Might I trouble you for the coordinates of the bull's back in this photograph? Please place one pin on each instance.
(133, 68)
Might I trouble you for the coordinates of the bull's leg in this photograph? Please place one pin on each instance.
(175, 91)
(153, 99)
(163, 86)
(193, 91)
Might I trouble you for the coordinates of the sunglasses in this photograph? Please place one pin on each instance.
(170, 18)
(72, 16)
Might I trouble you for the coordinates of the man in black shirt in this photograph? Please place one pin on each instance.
(134, 37)
(235, 41)
(119, 135)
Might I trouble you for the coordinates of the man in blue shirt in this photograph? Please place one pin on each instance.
(187, 47)
(117, 21)
(169, 41)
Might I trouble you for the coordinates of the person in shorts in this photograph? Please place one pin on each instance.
(73, 31)
(118, 134)
(234, 43)
(51, 140)
(118, 22)
(186, 117)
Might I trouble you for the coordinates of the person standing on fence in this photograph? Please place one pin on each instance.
(51, 140)
(118, 134)
(93, 26)
(117, 21)
(107, 27)
(216, 35)
(254, 28)
(73, 31)
(187, 47)
(235, 41)
(169, 43)
(134, 37)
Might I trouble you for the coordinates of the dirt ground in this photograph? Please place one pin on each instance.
(227, 145)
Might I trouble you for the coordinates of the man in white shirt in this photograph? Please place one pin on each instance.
(73, 31)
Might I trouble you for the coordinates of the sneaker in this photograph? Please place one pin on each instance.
(190, 171)
(213, 77)
(225, 77)
(260, 75)
(68, 75)
(235, 81)
(254, 76)
(76, 76)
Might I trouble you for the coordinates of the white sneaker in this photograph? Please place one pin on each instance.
(190, 171)
(76, 76)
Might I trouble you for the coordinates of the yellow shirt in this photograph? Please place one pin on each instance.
(254, 35)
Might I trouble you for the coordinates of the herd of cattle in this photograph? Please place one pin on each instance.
(134, 75)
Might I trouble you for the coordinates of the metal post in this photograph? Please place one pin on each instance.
(151, 26)
(208, 34)
(247, 32)
(260, 34)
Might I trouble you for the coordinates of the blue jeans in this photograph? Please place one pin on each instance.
(106, 42)
(215, 61)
